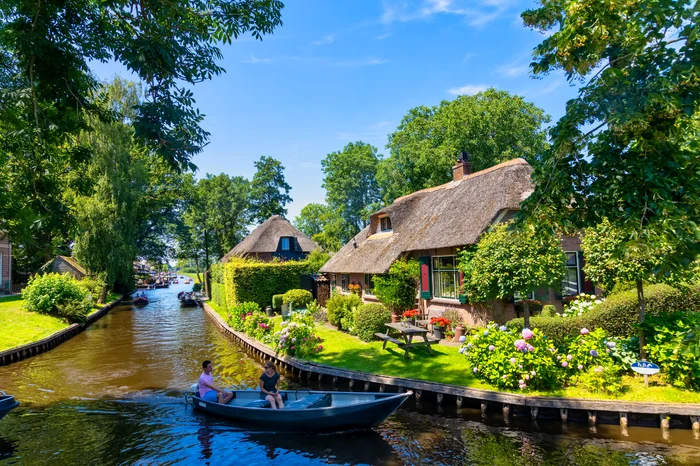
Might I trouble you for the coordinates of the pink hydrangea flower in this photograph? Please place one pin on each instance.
(564, 364)
(569, 357)
(527, 333)
(530, 348)
(598, 369)
(513, 360)
(580, 367)
(585, 331)
(491, 347)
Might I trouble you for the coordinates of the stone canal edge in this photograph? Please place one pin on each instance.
(19, 353)
(663, 415)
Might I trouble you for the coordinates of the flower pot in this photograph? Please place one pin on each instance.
(438, 333)
(459, 331)
(269, 311)
(395, 318)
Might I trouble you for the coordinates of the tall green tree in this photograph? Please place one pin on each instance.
(269, 191)
(626, 149)
(350, 180)
(492, 126)
(47, 47)
(325, 225)
(226, 209)
(511, 261)
(312, 219)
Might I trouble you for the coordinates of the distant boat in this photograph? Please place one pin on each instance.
(307, 410)
(7, 404)
(175, 282)
(140, 300)
(188, 299)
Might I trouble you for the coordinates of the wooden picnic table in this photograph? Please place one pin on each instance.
(406, 332)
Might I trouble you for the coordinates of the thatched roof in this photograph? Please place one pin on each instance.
(266, 238)
(451, 215)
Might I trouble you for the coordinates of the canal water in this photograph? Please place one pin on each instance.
(114, 395)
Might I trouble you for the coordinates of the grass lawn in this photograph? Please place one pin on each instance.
(20, 326)
(447, 366)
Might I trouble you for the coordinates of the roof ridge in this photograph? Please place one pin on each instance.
(507, 163)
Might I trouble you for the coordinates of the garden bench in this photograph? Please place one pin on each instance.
(385, 337)
(407, 331)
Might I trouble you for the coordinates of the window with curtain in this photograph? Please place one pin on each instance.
(570, 285)
(385, 224)
(445, 277)
(344, 282)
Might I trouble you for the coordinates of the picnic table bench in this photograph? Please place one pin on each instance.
(407, 332)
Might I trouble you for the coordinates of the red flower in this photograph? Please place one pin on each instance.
(411, 313)
(440, 322)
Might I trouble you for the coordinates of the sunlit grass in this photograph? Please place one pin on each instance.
(193, 276)
(447, 366)
(19, 327)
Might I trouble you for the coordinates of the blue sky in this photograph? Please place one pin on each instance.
(345, 70)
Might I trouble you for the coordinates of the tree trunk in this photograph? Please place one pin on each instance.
(196, 267)
(640, 297)
(103, 295)
(526, 312)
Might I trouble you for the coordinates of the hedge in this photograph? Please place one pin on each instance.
(299, 298)
(277, 302)
(216, 273)
(258, 282)
(619, 313)
(218, 295)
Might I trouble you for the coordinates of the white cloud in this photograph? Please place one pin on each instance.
(255, 60)
(329, 39)
(476, 13)
(469, 89)
(383, 36)
(469, 56)
(381, 124)
(513, 71)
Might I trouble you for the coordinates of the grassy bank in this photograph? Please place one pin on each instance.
(20, 327)
(448, 366)
(193, 276)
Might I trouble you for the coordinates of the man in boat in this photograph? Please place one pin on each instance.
(207, 390)
(269, 386)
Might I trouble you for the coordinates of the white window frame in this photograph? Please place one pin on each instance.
(435, 277)
(579, 285)
(367, 280)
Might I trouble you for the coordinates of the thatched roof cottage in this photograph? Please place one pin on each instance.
(275, 237)
(66, 264)
(432, 225)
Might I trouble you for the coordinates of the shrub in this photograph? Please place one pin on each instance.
(277, 302)
(297, 339)
(664, 347)
(247, 280)
(370, 319)
(581, 305)
(216, 273)
(529, 360)
(618, 315)
(341, 306)
(507, 359)
(198, 287)
(257, 325)
(92, 286)
(397, 289)
(58, 295)
(218, 295)
(549, 311)
(239, 313)
(317, 259)
(297, 298)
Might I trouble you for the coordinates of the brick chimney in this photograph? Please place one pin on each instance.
(463, 167)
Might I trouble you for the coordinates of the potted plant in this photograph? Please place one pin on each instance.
(355, 288)
(410, 316)
(439, 325)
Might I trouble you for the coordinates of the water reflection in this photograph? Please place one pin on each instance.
(113, 395)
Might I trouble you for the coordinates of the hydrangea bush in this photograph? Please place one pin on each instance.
(529, 360)
(581, 304)
(297, 338)
(239, 313)
(257, 325)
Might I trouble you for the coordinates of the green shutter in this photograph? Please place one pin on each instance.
(426, 279)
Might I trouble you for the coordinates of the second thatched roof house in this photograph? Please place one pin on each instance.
(432, 225)
(275, 237)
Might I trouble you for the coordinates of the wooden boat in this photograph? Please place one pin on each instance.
(306, 410)
(7, 404)
(175, 282)
(162, 285)
(140, 300)
(188, 299)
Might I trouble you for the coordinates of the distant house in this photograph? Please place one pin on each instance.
(432, 225)
(275, 237)
(5, 263)
(66, 264)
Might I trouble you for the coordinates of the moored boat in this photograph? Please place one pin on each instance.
(140, 300)
(307, 410)
(188, 299)
(7, 404)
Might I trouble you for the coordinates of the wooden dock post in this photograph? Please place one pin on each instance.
(564, 415)
(506, 411)
(351, 383)
(419, 394)
(695, 422)
(484, 407)
(665, 421)
(382, 387)
(460, 401)
(533, 412)
(592, 417)
(335, 381)
(366, 386)
(439, 398)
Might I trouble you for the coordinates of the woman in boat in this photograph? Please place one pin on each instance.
(269, 386)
